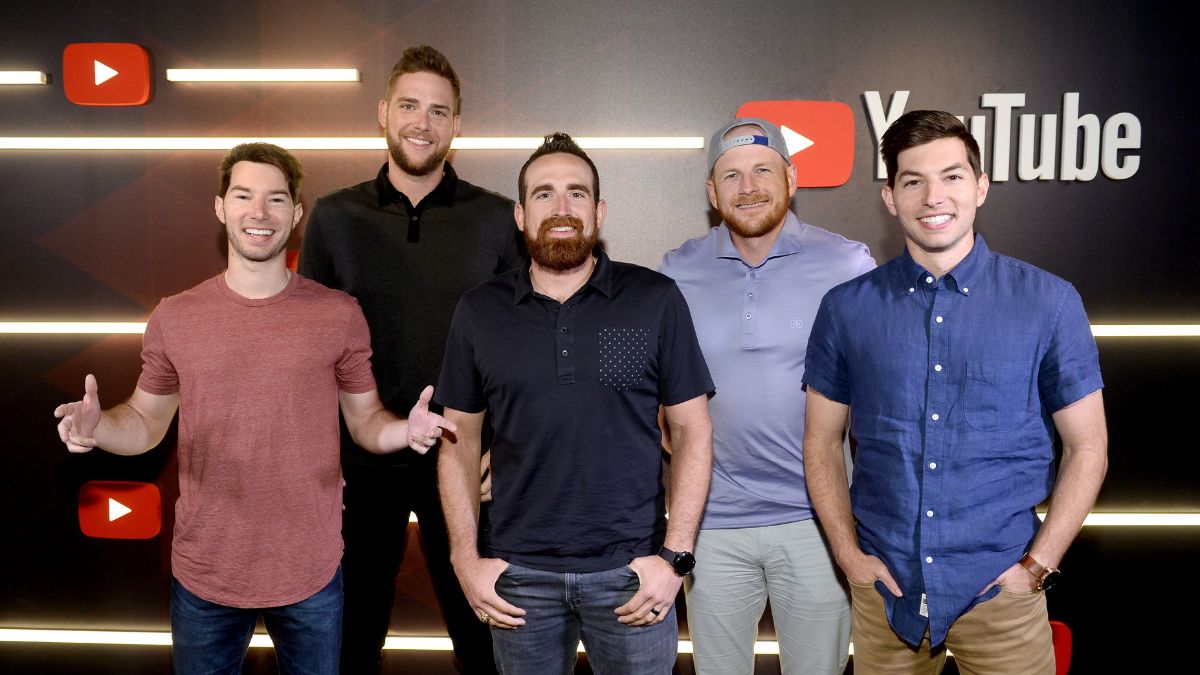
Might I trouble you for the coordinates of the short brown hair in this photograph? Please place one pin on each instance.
(558, 142)
(919, 127)
(426, 59)
(263, 153)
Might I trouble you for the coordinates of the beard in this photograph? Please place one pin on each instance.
(408, 166)
(253, 255)
(560, 254)
(749, 228)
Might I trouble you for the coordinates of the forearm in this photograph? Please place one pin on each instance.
(125, 430)
(1079, 479)
(458, 483)
(829, 492)
(691, 472)
(380, 432)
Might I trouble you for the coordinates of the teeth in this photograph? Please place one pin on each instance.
(749, 206)
(417, 141)
(935, 220)
(258, 232)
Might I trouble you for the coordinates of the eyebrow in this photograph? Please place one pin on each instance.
(409, 99)
(243, 188)
(957, 166)
(587, 189)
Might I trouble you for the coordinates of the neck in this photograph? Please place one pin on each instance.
(561, 285)
(415, 188)
(754, 250)
(257, 280)
(940, 262)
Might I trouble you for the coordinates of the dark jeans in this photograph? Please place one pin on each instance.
(564, 608)
(374, 527)
(211, 639)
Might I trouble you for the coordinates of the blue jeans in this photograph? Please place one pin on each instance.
(207, 638)
(563, 608)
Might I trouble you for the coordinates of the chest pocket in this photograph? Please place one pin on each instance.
(995, 393)
(624, 353)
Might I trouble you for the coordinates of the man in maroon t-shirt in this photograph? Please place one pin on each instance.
(258, 361)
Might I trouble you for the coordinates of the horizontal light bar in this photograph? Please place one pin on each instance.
(262, 74)
(1099, 330)
(71, 327)
(22, 77)
(333, 143)
(1146, 330)
(260, 640)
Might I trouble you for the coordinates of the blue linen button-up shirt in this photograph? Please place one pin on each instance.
(951, 383)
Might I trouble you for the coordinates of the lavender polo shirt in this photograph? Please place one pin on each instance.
(753, 324)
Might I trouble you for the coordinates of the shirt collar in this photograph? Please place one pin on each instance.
(601, 278)
(787, 243)
(959, 279)
(442, 195)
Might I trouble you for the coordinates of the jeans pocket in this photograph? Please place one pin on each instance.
(994, 394)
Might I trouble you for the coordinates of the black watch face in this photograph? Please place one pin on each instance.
(1050, 580)
(684, 563)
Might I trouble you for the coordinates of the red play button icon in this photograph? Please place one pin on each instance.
(110, 509)
(819, 136)
(106, 73)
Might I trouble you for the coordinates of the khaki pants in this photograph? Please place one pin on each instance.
(1007, 635)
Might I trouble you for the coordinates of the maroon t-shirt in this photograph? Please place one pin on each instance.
(259, 517)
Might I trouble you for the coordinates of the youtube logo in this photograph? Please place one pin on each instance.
(110, 509)
(819, 137)
(106, 73)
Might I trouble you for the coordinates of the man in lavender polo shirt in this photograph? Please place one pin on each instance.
(753, 285)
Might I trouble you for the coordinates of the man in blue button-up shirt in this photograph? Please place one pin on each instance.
(959, 365)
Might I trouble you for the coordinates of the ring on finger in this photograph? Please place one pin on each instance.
(484, 618)
(655, 611)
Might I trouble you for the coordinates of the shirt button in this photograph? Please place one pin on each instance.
(937, 368)
(911, 290)
(749, 295)
(938, 319)
(929, 280)
(928, 558)
(935, 417)
(564, 352)
(933, 465)
(747, 316)
(929, 513)
(966, 290)
(563, 329)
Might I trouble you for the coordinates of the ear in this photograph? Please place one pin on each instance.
(382, 113)
(791, 178)
(519, 216)
(219, 207)
(712, 193)
(601, 213)
(982, 190)
(296, 216)
(888, 199)
(457, 124)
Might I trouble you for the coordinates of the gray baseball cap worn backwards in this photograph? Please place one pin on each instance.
(773, 139)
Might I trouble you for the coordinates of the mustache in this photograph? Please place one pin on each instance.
(551, 222)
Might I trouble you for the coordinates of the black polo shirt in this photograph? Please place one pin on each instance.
(407, 267)
(574, 390)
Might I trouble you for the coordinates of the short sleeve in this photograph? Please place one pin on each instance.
(354, 365)
(1070, 368)
(825, 366)
(158, 372)
(683, 373)
(459, 385)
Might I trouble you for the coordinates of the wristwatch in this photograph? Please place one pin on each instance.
(682, 562)
(1046, 576)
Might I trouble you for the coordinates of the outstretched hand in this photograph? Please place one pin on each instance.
(80, 419)
(424, 427)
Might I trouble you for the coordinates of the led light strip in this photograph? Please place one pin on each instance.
(101, 327)
(259, 640)
(262, 74)
(22, 77)
(333, 143)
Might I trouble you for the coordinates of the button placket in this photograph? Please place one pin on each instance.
(749, 315)
(564, 343)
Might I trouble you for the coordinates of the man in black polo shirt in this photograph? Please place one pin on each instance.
(574, 354)
(406, 245)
